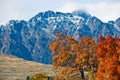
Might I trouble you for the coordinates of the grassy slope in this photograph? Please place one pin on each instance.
(12, 68)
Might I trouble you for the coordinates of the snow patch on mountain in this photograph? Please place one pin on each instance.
(30, 39)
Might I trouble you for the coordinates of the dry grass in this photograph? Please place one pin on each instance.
(12, 68)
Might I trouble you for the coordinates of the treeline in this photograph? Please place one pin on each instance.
(85, 59)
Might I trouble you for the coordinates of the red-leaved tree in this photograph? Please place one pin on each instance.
(108, 55)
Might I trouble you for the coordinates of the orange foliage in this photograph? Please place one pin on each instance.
(108, 55)
(71, 57)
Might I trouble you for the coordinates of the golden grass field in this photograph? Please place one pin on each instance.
(13, 68)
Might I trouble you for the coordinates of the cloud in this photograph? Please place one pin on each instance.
(25, 9)
(103, 10)
(68, 7)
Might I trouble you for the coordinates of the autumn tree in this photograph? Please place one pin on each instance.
(71, 58)
(63, 56)
(86, 59)
(108, 55)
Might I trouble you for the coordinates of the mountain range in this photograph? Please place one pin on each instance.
(30, 39)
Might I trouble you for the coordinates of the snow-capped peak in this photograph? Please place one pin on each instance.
(82, 13)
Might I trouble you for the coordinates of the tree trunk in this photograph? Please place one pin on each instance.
(82, 74)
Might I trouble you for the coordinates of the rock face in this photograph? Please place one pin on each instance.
(30, 39)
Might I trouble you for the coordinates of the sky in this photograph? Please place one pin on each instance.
(25, 9)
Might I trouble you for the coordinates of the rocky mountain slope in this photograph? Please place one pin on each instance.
(30, 39)
(12, 68)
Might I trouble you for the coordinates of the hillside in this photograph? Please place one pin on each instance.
(12, 68)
